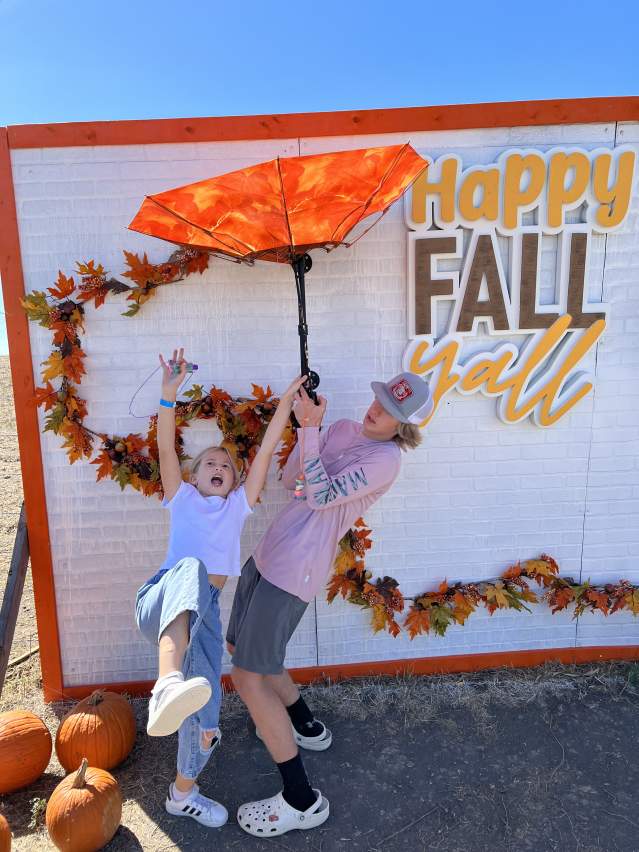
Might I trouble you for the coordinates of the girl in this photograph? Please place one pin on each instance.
(178, 608)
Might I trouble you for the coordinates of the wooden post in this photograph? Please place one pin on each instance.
(13, 593)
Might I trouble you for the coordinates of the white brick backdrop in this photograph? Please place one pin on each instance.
(475, 497)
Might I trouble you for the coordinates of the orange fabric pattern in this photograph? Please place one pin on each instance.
(282, 208)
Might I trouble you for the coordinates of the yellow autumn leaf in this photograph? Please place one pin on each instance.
(378, 618)
(54, 367)
(495, 594)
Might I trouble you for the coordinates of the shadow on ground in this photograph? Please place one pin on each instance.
(546, 759)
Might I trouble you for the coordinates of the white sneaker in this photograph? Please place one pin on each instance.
(175, 703)
(203, 810)
(270, 817)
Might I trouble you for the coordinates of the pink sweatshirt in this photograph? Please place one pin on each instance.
(345, 473)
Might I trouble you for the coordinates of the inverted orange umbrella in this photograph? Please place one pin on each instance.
(282, 209)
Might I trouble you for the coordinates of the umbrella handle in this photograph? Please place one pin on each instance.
(301, 265)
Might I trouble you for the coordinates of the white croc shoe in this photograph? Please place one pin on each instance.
(175, 703)
(320, 742)
(200, 808)
(274, 816)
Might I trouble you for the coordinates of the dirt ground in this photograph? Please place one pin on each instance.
(541, 759)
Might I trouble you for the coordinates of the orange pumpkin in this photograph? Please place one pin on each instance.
(84, 810)
(5, 835)
(25, 749)
(100, 728)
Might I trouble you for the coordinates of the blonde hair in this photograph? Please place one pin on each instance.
(192, 468)
(408, 436)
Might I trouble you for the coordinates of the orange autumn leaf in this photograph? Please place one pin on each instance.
(63, 287)
(443, 587)
(338, 584)
(89, 268)
(73, 365)
(560, 598)
(63, 331)
(417, 622)
(140, 270)
(462, 608)
(134, 443)
(513, 572)
(105, 465)
(47, 396)
(344, 561)
(260, 394)
(600, 600)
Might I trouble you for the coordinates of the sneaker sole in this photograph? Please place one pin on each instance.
(196, 819)
(175, 712)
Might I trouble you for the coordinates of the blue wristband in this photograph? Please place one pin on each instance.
(167, 404)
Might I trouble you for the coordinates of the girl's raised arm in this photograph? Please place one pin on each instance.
(170, 472)
(259, 469)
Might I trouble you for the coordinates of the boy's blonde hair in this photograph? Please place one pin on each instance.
(408, 436)
(193, 466)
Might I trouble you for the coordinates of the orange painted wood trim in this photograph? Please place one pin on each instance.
(28, 429)
(341, 123)
(420, 666)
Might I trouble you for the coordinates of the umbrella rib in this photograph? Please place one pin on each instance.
(366, 204)
(288, 224)
(193, 225)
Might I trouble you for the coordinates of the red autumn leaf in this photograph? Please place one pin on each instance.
(63, 331)
(63, 286)
(134, 443)
(198, 263)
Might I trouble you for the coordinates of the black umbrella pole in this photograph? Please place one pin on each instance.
(301, 265)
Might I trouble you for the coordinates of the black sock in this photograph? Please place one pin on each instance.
(303, 720)
(297, 791)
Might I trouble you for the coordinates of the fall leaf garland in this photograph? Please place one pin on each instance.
(133, 460)
(434, 612)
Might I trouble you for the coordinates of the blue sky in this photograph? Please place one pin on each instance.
(69, 61)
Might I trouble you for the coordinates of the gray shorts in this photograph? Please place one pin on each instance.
(263, 619)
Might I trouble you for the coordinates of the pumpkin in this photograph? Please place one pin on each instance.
(25, 749)
(100, 728)
(5, 835)
(84, 810)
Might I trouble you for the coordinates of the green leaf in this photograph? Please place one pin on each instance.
(122, 475)
(196, 392)
(440, 618)
(53, 420)
(132, 311)
(37, 308)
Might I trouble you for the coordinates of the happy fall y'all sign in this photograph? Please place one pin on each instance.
(458, 219)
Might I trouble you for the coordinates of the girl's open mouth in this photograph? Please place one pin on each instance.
(217, 482)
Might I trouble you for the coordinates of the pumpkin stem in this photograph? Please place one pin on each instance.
(78, 781)
(95, 698)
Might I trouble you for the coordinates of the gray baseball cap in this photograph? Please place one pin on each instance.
(407, 398)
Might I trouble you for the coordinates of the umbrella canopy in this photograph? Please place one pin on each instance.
(280, 210)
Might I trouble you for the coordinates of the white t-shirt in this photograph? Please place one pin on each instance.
(207, 528)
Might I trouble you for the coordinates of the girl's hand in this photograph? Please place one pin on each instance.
(170, 381)
(305, 410)
(290, 394)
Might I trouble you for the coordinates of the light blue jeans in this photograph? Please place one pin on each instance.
(186, 587)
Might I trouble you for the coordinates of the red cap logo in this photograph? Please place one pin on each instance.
(401, 390)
